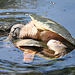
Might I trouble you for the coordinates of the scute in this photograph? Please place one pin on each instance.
(48, 24)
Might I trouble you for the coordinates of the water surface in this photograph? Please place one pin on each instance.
(11, 58)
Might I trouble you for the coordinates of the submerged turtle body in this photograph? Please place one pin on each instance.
(50, 25)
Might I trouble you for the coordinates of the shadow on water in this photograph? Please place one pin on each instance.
(11, 58)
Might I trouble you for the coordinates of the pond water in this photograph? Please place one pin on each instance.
(11, 58)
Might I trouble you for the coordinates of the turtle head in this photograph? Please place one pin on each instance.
(14, 32)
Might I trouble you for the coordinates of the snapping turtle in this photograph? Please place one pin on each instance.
(50, 32)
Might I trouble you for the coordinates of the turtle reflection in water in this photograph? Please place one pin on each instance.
(48, 31)
(32, 47)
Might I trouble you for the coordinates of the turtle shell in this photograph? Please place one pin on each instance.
(48, 24)
(31, 43)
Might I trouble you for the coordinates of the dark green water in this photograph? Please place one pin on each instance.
(14, 11)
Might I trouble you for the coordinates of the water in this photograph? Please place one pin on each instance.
(11, 58)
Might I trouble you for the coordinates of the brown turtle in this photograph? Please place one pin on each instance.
(53, 34)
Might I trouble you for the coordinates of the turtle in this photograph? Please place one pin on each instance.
(56, 36)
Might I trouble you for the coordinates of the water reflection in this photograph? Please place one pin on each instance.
(11, 60)
(28, 55)
(30, 51)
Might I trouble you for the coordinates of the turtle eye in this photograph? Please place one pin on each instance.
(13, 32)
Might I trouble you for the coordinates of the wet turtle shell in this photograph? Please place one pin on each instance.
(50, 25)
(30, 42)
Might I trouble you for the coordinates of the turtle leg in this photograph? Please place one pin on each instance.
(58, 47)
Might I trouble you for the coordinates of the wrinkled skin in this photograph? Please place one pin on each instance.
(31, 31)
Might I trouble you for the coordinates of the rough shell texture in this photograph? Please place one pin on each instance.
(48, 24)
(30, 42)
